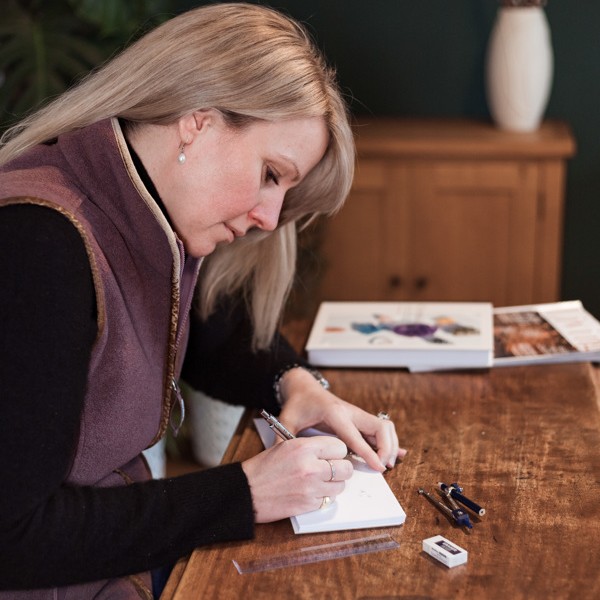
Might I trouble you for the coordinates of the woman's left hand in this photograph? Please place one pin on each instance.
(308, 404)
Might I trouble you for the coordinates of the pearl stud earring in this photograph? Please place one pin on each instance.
(181, 157)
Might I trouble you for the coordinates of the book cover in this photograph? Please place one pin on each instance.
(367, 500)
(544, 333)
(402, 334)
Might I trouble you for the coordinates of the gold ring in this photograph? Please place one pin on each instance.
(326, 502)
(332, 470)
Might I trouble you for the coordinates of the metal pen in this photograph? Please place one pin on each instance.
(455, 491)
(458, 516)
(276, 426)
(437, 503)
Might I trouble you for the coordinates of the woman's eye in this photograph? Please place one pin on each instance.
(272, 176)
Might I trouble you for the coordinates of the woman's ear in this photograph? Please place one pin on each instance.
(192, 124)
(205, 117)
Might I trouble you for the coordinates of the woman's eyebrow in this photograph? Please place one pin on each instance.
(292, 164)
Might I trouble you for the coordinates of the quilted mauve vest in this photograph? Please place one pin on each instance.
(144, 289)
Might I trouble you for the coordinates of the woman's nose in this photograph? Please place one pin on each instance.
(266, 213)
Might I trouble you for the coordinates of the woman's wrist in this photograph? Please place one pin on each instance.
(279, 382)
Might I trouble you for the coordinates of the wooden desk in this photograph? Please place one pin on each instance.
(523, 441)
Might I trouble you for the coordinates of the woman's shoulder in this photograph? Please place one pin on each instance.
(40, 244)
(40, 225)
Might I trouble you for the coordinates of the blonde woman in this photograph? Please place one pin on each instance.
(191, 157)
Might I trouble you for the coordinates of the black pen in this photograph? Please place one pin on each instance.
(276, 426)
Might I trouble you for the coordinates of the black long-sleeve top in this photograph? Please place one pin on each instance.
(54, 534)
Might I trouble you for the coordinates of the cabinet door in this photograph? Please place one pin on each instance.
(357, 249)
(435, 230)
(472, 231)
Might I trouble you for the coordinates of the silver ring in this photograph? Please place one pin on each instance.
(383, 415)
(326, 502)
(332, 470)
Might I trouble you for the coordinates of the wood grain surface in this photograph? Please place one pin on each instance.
(524, 442)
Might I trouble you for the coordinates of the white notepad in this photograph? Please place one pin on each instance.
(367, 500)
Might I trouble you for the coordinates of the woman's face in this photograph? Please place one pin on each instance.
(235, 179)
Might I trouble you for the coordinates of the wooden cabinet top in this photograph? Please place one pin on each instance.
(458, 138)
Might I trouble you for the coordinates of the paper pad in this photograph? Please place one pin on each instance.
(367, 500)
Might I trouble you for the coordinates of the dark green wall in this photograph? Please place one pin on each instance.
(426, 57)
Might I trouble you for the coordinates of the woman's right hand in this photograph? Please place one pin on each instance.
(294, 476)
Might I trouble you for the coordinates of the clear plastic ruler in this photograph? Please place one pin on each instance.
(312, 554)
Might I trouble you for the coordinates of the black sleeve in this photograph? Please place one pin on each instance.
(48, 325)
(52, 533)
(221, 363)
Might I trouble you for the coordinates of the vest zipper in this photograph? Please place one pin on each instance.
(182, 319)
(176, 390)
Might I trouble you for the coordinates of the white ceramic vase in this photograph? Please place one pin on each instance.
(519, 67)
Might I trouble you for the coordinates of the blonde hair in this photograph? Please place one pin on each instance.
(250, 62)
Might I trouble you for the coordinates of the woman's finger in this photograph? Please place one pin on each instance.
(328, 447)
(337, 470)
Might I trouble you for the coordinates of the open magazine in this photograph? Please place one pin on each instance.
(545, 333)
(556, 332)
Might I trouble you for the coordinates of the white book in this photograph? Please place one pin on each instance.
(367, 500)
(402, 334)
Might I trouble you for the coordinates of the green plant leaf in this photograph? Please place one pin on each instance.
(46, 46)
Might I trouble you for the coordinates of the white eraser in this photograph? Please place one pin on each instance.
(447, 552)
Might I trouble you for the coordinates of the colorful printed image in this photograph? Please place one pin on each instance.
(426, 331)
(526, 334)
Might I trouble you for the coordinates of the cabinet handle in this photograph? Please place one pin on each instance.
(421, 283)
(395, 281)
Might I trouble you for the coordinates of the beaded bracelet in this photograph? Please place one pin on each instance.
(277, 382)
